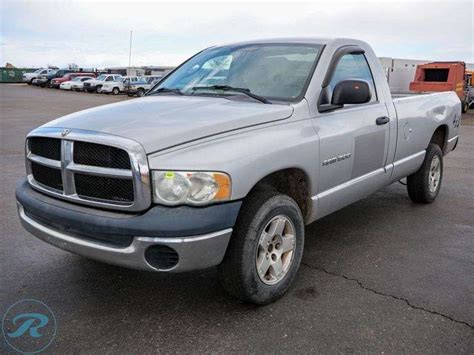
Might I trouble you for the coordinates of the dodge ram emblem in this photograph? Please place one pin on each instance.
(65, 132)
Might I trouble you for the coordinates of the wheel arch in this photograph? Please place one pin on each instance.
(440, 137)
(293, 182)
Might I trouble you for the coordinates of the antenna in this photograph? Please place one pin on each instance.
(130, 54)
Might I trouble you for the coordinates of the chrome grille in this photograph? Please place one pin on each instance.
(46, 147)
(100, 155)
(89, 168)
(105, 188)
(47, 176)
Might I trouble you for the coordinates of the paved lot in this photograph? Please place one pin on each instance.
(382, 275)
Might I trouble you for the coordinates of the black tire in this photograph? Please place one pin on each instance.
(238, 271)
(418, 184)
(140, 92)
(115, 91)
(31, 82)
(98, 89)
(464, 106)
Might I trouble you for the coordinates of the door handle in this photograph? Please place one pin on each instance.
(382, 120)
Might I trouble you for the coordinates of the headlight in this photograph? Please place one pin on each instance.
(193, 188)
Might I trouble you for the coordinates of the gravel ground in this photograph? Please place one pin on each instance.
(382, 275)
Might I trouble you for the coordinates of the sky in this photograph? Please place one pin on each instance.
(97, 33)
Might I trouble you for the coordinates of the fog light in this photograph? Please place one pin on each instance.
(161, 257)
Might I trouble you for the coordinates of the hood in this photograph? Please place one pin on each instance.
(161, 122)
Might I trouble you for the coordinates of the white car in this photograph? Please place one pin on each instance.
(95, 85)
(74, 84)
(141, 86)
(117, 86)
(29, 77)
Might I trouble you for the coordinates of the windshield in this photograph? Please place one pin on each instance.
(273, 71)
(101, 77)
(77, 78)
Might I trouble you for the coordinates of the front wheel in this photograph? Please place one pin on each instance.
(424, 185)
(264, 253)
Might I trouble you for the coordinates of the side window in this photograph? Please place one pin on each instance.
(354, 66)
(109, 78)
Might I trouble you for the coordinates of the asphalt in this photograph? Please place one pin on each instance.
(383, 275)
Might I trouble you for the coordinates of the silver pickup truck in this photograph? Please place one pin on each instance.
(226, 160)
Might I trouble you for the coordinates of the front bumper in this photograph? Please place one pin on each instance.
(197, 237)
(40, 81)
(90, 88)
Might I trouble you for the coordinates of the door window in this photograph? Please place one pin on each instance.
(353, 66)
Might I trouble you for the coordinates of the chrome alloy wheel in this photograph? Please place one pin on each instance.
(435, 174)
(275, 250)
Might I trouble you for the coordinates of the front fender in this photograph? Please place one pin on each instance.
(248, 155)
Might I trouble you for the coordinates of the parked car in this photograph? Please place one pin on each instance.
(44, 80)
(193, 176)
(78, 85)
(29, 77)
(140, 87)
(95, 85)
(117, 86)
(55, 83)
(74, 84)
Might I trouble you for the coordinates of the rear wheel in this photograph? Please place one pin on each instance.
(264, 253)
(115, 91)
(424, 185)
(140, 92)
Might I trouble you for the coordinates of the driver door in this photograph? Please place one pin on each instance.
(353, 143)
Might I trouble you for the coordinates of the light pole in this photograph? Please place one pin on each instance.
(130, 55)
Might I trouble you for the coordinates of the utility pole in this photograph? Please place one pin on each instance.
(130, 54)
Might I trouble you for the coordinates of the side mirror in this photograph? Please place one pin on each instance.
(349, 92)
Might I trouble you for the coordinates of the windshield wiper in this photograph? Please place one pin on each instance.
(164, 90)
(231, 88)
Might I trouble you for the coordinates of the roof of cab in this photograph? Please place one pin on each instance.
(302, 40)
